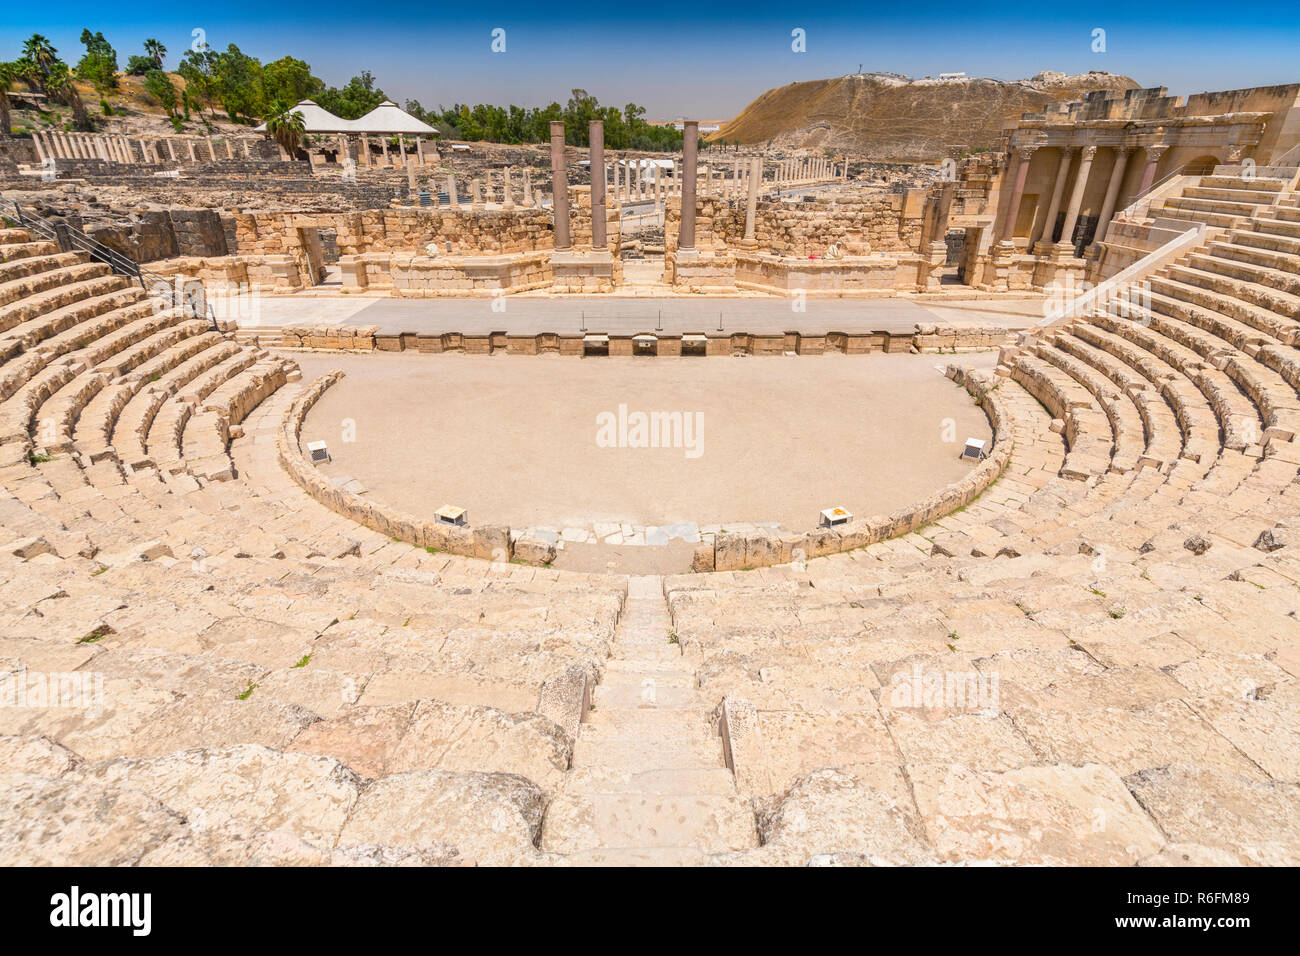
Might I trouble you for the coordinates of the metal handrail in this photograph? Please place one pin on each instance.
(119, 262)
(1290, 158)
(1133, 203)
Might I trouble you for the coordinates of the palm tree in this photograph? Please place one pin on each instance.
(8, 76)
(285, 125)
(155, 49)
(41, 54)
(59, 83)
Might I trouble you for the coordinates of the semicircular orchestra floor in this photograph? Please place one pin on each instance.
(628, 461)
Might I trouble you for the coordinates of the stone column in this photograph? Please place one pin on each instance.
(419, 148)
(410, 178)
(365, 148)
(476, 194)
(751, 201)
(510, 196)
(559, 187)
(1008, 231)
(1112, 192)
(230, 149)
(171, 149)
(452, 198)
(343, 149)
(190, 143)
(690, 143)
(528, 187)
(1149, 170)
(1076, 196)
(596, 137)
(1048, 226)
(659, 187)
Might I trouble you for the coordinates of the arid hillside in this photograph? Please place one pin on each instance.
(889, 117)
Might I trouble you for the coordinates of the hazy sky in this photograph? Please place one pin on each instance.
(707, 61)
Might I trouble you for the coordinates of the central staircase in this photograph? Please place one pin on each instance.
(648, 783)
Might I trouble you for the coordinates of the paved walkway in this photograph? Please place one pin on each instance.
(524, 314)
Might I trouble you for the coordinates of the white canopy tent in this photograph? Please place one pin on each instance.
(316, 119)
(389, 118)
(386, 119)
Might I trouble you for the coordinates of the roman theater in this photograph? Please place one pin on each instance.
(396, 500)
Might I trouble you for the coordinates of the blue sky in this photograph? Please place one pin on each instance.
(703, 62)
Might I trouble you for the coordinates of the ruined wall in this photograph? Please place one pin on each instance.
(162, 234)
(875, 222)
(410, 230)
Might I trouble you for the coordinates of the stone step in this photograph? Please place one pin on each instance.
(617, 671)
(658, 856)
(1242, 193)
(619, 748)
(1275, 226)
(1266, 240)
(682, 781)
(1260, 185)
(603, 821)
(1269, 258)
(1273, 279)
(633, 693)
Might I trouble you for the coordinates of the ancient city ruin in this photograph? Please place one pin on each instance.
(750, 650)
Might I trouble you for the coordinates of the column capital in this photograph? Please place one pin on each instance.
(1154, 152)
(1088, 152)
(1026, 152)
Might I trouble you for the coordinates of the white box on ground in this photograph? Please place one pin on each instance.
(974, 448)
(830, 517)
(450, 514)
(317, 451)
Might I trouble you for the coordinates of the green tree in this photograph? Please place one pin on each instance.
(137, 65)
(8, 78)
(290, 81)
(159, 85)
(41, 61)
(198, 68)
(99, 65)
(59, 84)
(239, 84)
(355, 100)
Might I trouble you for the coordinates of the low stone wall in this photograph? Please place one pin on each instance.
(923, 338)
(851, 275)
(413, 276)
(491, 542)
(729, 551)
(741, 551)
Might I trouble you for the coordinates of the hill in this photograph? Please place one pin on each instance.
(890, 117)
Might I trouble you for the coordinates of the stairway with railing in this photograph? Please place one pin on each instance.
(69, 239)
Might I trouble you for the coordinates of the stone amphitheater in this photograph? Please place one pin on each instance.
(1084, 653)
